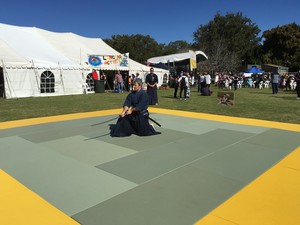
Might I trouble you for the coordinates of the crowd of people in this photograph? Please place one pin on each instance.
(265, 80)
(232, 82)
(134, 117)
(183, 82)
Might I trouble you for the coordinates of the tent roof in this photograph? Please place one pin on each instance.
(31, 46)
(254, 69)
(27, 45)
(175, 57)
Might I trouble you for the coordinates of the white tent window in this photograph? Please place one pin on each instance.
(47, 82)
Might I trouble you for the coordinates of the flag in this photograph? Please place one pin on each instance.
(193, 60)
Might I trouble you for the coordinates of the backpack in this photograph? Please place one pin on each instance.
(182, 82)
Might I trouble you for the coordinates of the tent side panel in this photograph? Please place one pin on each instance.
(20, 83)
(70, 81)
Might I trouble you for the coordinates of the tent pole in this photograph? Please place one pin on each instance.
(36, 76)
(80, 57)
(61, 78)
(5, 73)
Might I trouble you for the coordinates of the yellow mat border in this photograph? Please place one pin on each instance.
(205, 116)
(222, 215)
(271, 199)
(20, 205)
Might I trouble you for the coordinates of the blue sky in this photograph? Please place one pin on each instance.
(165, 21)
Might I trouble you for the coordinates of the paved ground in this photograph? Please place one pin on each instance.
(203, 169)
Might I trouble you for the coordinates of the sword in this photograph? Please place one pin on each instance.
(105, 121)
(153, 120)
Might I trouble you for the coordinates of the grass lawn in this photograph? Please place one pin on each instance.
(249, 103)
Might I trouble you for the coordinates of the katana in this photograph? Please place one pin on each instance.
(105, 121)
(153, 120)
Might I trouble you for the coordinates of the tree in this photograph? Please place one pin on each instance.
(227, 40)
(176, 47)
(281, 46)
(140, 47)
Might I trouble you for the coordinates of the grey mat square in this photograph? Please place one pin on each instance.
(200, 126)
(278, 139)
(180, 197)
(154, 162)
(89, 151)
(68, 184)
(242, 162)
(141, 143)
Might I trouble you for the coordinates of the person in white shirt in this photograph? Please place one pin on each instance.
(208, 80)
(183, 83)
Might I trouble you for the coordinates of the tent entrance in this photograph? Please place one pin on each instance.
(1, 83)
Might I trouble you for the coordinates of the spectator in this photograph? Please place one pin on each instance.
(275, 79)
(119, 82)
(183, 83)
(208, 80)
(297, 80)
(152, 81)
(95, 75)
(176, 85)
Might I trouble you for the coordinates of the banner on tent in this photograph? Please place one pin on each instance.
(193, 60)
(109, 60)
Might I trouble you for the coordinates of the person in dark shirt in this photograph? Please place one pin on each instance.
(134, 116)
(176, 85)
(297, 80)
(152, 81)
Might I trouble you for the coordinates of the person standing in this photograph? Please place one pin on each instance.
(95, 75)
(130, 82)
(207, 81)
(235, 82)
(183, 82)
(137, 76)
(275, 78)
(297, 80)
(188, 87)
(152, 81)
(202, 82)
(198, 83)
(134, 118)
(119, 81)
(176, 85)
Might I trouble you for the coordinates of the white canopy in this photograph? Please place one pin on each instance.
(26, 52)
(22, 45)
(174, 57)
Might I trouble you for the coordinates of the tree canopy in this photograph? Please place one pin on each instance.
(281, 46)
(143, 47)
(139, 46)
(227, 40)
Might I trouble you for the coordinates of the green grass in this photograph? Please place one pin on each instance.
(249, 103)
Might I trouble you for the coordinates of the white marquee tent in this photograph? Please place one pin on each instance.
(175, 57)
(27, 52)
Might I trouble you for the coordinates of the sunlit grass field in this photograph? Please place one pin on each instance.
(249, 103)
